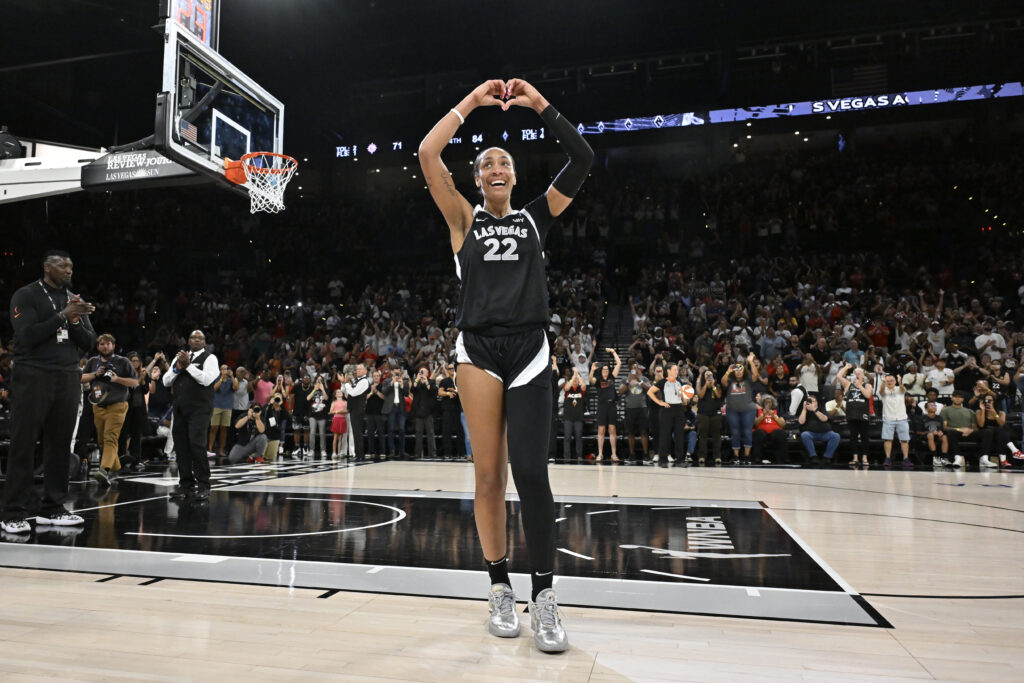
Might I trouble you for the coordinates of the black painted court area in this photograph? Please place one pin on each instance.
(737, 546)
(700, 556)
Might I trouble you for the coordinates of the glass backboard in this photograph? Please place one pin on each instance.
(210, 110)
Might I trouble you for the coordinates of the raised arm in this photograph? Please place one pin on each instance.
(569, 180)
(457, 212)
(618, 362)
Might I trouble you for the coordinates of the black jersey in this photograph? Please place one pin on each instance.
(856, 405)
(501, 266)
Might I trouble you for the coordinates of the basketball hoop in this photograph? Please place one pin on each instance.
(265, 174)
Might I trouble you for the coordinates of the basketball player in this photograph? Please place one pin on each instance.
(502, 348)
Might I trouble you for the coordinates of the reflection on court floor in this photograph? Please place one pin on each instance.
(718, 557)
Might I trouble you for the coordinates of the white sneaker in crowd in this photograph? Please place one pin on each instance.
(958, 461)
(986, 463)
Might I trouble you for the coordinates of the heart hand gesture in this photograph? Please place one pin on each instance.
(489, 93)
(519, 93)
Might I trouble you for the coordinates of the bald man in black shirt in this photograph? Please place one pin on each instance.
(51, 329)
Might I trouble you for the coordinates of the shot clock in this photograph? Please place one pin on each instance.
(201, 18)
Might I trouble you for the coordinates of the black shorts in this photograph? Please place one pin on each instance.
(515, 360)
(606, 414)
(636, 420)
(300, 423)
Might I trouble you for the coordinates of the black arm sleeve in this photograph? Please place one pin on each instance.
(570, 179)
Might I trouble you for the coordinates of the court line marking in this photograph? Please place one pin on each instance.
(881, 493)
(394, 520)
(114, 505)
(915, 519)
(678, 576)
(569, 552)
(601, 512)
(945, 597)
(813, 555)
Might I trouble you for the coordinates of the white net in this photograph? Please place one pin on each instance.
(267, 175)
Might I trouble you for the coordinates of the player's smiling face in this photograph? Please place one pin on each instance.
(495, 174)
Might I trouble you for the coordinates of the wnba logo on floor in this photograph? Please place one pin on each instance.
(707, 533)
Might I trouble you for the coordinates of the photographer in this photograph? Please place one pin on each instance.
(635, 390)
(709, 416)
(740, 409)
(319, 405)
(395, 391)
(572, 415)
(935, 435)
(223, 401)
(857, 392)
(109, 377)
(448, 395)
(159, 395)
(376, 421)
(136, 421)
(424, 395)
(606, 418)
(895, 421)
(250, 436)
(817, 428)
(770, 431)
(300, 416)
(274, 418)
(992, 427)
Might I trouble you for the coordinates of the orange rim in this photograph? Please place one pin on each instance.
(288, 164)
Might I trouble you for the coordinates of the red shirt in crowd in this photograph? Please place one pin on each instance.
(768, 425)
(879, 335)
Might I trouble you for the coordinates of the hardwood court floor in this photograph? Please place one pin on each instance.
(888, 534)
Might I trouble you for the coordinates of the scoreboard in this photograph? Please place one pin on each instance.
(201, 18)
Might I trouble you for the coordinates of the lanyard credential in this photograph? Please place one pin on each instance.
(48, 297)
(62, 331)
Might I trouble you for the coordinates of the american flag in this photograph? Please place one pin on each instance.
(869, 79)
(189, 132)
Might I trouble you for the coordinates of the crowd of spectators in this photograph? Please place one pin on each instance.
(806, 261)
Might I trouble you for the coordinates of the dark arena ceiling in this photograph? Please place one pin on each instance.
(86, 71)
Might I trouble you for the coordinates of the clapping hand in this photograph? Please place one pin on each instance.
(76, 308)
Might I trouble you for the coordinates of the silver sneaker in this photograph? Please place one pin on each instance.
(546, 622)
(501, 602)
(15, 526)
(60, 519)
